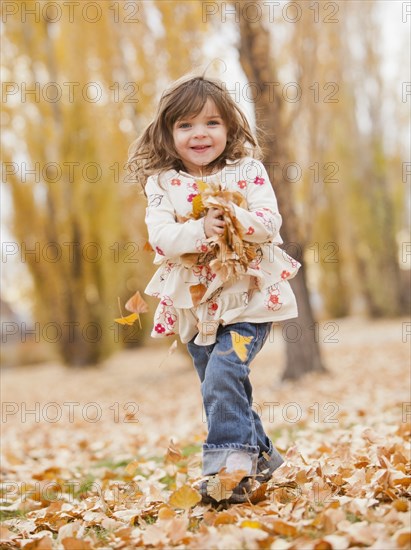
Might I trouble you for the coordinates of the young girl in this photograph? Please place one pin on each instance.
(200, 140)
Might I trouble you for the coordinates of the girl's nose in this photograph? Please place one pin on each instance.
(200, 131)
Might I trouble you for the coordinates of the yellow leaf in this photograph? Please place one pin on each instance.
(129, 320)
(239, 344)
(251, 524)
(198, 207)
(202, 186)
(186, 497)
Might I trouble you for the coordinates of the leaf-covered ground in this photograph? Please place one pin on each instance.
(88, 460)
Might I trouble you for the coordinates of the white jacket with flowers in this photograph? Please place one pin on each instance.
(262, 294)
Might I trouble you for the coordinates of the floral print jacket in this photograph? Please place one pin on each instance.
(262, 294)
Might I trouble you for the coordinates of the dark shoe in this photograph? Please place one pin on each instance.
(267, 464)
(213, 491)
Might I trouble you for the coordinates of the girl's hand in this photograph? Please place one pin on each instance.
(213, 222)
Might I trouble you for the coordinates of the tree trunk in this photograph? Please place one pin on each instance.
(303, 353)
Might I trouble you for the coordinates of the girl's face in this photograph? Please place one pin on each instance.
(200, 139)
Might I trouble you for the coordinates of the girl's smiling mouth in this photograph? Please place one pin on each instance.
(200, 147)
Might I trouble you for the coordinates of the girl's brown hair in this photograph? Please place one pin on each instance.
(153, 152)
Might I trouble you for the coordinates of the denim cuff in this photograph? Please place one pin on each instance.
(269, 461)
(215, 456)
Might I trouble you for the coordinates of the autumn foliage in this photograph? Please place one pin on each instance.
(128, 479)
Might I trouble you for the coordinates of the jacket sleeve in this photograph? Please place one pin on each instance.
(169, 238)
(262, 220)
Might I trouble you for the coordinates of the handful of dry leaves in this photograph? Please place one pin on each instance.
(230, 254)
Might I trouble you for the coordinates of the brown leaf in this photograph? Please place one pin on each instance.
(401, 505)
(71, 543)
(323, 545)
(231, 479)
(165, 512)
(284, 528)
(403, 537)
(45, 543)
(136, 304)
(224, 518)
(197, 292)
(217, 490)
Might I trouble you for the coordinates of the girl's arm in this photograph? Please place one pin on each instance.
(169, 238)
(262, 220)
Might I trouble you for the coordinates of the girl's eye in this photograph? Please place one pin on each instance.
(183, 125)
(213, 122)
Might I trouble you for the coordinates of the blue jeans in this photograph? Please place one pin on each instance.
(233, 426)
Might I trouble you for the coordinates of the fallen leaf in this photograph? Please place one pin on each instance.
(217, 490)
(71, 543)
(6, 534)
(251, 524)
(284, 528)
(177, 529)
(224, 518)
(231, 479)
(403, 537)
(401, 505)
(185, 497)
(165, 512)
(154, 535)
(131, 467)
(45, 543)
